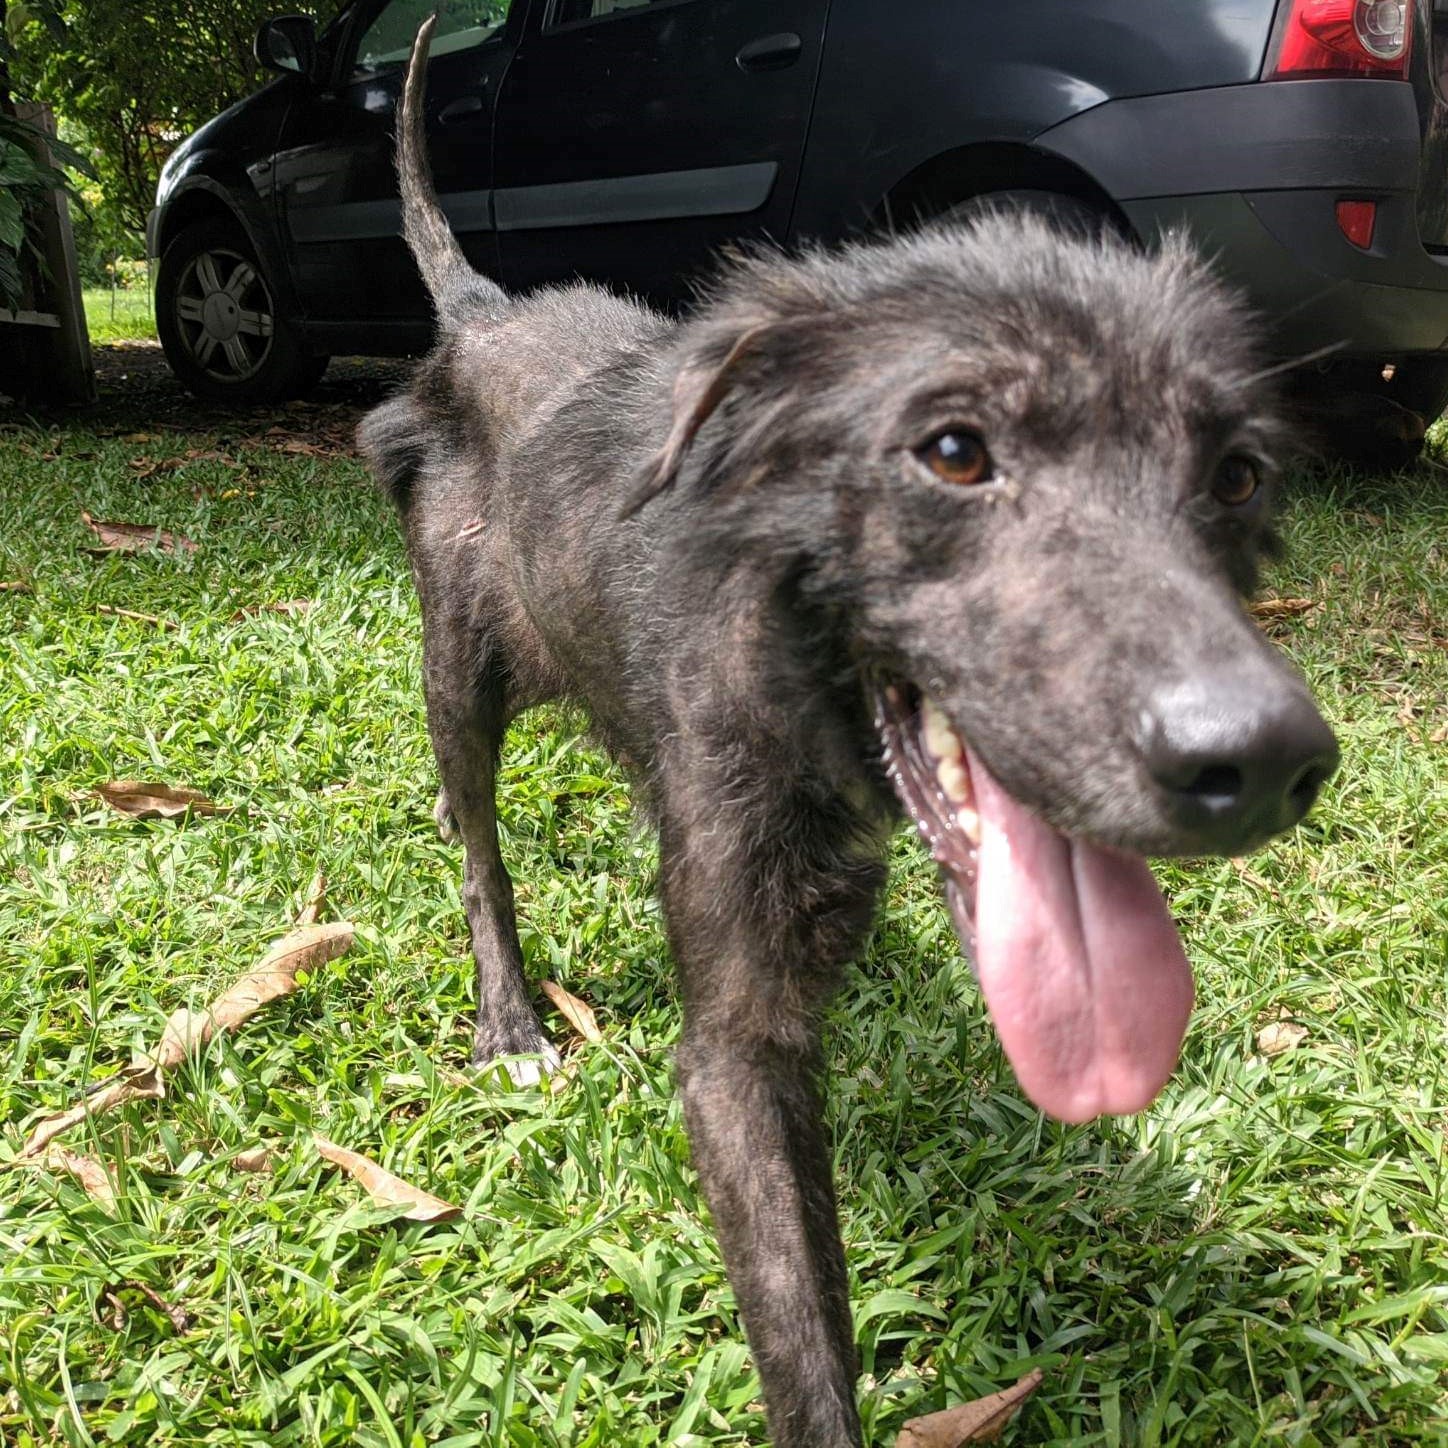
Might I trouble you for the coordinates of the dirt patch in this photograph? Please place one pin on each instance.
(138, 393)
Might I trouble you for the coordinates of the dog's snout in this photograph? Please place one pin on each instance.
(1239, 759)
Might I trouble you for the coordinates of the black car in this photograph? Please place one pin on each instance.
(1301, 141)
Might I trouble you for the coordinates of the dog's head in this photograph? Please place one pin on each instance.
(1028, 477)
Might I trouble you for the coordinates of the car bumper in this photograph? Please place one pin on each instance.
(1254, 174)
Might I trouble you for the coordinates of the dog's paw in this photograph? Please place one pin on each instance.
(523, 1063)
(447, 825)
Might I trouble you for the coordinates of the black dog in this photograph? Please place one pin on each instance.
(960, 522)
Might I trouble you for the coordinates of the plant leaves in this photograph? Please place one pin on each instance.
(316, 898)
(1280, 607)
(87, 1171)
(577, 1013)
(187, 1031)
(134, 538)
(1279, 1036)
(137, 1083)
(303, 950)
(145, 800)
(288, 606)
(110, 1294)
(137, 617)
(982, 1421)
(385, 1189)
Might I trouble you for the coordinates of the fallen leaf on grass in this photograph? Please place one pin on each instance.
(187, 1031)
(87, 1171)
(136, 1083)
(15, 585)
(1281, 607)
(258, 1160)
(385, 1189)
(145, 800)
(311, 911)
(110, 1294)
(289, 606)
(134, 538)
(138, 617)
(303, 950)
(1280, 1036)
(982, 1421)
(577, 1013)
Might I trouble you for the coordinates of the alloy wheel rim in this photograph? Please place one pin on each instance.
(224, 315)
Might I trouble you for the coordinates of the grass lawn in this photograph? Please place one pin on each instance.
(1259, 1259)
(119, 316)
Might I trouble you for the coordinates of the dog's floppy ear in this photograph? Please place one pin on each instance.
(698, 389)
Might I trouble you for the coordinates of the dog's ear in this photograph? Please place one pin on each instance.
(698, 389)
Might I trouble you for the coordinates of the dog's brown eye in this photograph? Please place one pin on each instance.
(957, 457)
(1237, 481)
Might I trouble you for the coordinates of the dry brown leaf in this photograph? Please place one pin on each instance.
(136, 1083)
(1279, 1036)
(187, 1031)
(258, 1160)
(311, 911)
(134, 538)
(1281, 607)
(147, 800)
(288, 606)
(305, 949)
(577, 1013)
(110, 1295)
(87, 1171)
(982, 1421)
(137, 617)
(388, 1190)
(15, 585)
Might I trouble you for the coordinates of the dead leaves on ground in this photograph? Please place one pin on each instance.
(291, 607)
(87, 1171)
(133, 538)
(1279, 1036)
(982, 1421)
(149, 800)
(385, 1189)
(578, 1014)
(187, 1031)
(111, 1298)
(135, 617)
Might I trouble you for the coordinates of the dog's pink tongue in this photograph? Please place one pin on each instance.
(1080, 963)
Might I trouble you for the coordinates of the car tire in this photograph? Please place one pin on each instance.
(219, 324)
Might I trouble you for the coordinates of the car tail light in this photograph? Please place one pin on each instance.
(1342, 37)
(1356, 220)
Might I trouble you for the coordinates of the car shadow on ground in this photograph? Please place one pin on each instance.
(137, 392)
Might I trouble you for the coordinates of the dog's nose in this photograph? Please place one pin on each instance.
(1239, 758)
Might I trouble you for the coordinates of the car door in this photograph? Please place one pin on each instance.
(633, 137)
(335, 182)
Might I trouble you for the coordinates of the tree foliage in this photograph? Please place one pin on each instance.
(135, 76)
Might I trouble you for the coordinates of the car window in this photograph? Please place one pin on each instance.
(387, 41)
(568, 12)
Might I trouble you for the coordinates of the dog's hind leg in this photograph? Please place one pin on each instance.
(760, 950)
(466, 719)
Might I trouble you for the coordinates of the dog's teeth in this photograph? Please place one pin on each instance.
(954, 780)
(969, 820)
(940, 739)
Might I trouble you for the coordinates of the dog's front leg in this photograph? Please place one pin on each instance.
(757, 969)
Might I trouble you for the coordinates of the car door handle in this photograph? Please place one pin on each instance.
(770, 52)
(460, 109)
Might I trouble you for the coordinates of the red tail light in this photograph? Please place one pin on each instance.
(1342, 37)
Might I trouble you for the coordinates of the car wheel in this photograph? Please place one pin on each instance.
(219, 324)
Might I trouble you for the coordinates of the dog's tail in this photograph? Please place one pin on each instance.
(456, 289)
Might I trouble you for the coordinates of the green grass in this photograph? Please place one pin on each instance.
(1259, 1259)
(119, 316)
